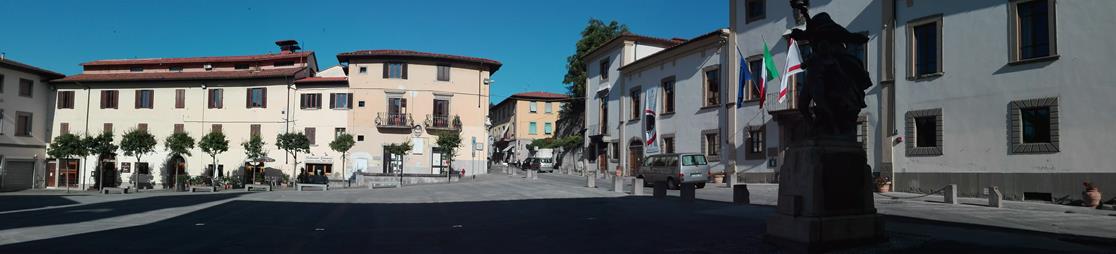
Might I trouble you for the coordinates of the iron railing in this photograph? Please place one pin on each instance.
(387, 120)
(443, 122)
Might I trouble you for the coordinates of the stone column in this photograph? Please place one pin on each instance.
(618, 184)
(950, 194)
(637, 186)
(590, 181)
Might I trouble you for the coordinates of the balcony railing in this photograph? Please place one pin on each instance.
(443, 122)
(386, 120)
(773, 104)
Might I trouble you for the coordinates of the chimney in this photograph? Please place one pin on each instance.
(287, 46)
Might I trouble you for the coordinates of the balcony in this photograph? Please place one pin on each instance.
(394, 121)
(443, 122)
(774, 106)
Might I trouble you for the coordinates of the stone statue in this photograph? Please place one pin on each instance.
(835, 79)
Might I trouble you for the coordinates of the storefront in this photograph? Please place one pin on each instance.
(320, 166)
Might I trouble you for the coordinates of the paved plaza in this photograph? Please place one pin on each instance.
(497, 214)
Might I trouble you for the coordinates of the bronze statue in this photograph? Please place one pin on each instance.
(835, 79)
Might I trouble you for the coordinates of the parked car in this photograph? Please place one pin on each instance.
(532, 164)
(675, 169)
(546, 165)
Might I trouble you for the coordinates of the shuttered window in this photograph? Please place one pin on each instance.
(215, 128)
(179, 128)
(110, 99)
(107, 128)
(142, 127)
(180, 98)
(145, 99)
(65, 99)
(311, 135)
(216, 98)
(257, 98)
(64, 128)
(311, 101)
(255, 131)
(341, 100)
(395, 71)
(443, 72)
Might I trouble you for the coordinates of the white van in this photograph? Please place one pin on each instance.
(675, 169)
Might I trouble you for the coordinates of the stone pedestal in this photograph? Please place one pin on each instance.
(950, 194)
(825, 197)
(591, 181)
(995, 198)
(740, 194)
(637, 186)
(618, 184)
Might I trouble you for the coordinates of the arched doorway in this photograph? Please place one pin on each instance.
(176, 167)
(107, 174)
(635, 156)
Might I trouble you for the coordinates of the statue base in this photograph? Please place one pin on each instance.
(825, 197)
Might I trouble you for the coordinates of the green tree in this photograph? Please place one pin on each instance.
(137, 143)
(213, 144)
(449, 142)
(401, 150)
(253, 149)
(342, 143)
(293, 143)
(67, 146)
(178, 144)
(572, 116)
(101, 146)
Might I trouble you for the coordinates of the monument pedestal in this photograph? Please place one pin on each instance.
(825, 197)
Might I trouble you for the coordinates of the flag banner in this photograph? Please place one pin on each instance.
(651, 137)
(794, 66)
(744, 76)
(770, 72)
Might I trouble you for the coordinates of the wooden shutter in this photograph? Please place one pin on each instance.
(108, 128)
(349, 104)
(311, 135)
(179, 128)
(386, 69)
(180, 98)
(264, 92)
(215, 128)
(255, 130)
(114, 99)
(61, 99)
(248, 98)
(64, 128)
(332, 100)
(404, 70)
(142, 127)
(137, 101)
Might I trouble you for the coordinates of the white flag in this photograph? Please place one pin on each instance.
(794, 66)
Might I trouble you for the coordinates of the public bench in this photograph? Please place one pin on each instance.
(249, 187)
(322, 187)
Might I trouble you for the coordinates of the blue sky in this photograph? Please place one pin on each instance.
(531, 38)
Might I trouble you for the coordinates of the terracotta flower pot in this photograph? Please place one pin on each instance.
(883, 188)
(1092, 198)
(718, 179)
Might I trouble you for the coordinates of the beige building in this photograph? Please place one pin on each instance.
(25, 113)
(520, 119)
(408, 96)
(236, 95)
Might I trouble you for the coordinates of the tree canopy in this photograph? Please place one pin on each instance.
(137, 143)
(342, 143)
(214, 143)
(449, 142)
(101, 144)
(179, 144)
(572, 116)
(253, 148)
(67, 146)
(399, 149)
(293, 143)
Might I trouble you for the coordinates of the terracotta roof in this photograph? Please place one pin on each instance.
(540, 95)
(205, 59)
(321, 80)
(172, 76)
(493, 65)
(28, 68)
(665, 51)
(626, 36)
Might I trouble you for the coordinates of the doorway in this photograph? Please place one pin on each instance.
(635, 156)
(176, 167)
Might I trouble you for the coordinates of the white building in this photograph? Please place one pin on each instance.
(25, 113)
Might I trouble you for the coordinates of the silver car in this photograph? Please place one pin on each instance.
(675, 169)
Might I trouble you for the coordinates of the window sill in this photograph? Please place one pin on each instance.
(664, 114)
(1049, 58)
(924, 77)
(709, 106)
(632, 121)
(924, 151)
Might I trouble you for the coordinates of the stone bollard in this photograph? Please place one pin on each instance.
(534, 175)
(514, 171)
(740, 194)
(995, 198)
(687, 192)
(730, 180)
(637, 186)
(950, 194)
(660, 190)
(618, 184)
(590, 181)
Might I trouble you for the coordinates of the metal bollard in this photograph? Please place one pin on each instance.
(660, 190)
(687, 192)
(637, 186)
(590, 181)
(740, 194)
(618, 184)
(950, 194)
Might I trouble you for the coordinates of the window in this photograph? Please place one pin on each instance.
(711, 144)
(25, 88)
(925, 47)
(615, 154)
(143, 168)
(691, 160)
(23, 124)
(712, 87)
(215, 128)
(179, 128)
(635, 103)
(254, 130)
(549, 107)
(1, 83)
(395, 70)
(548, 128)
(1, 122)
(360, 137)
(135, 69)
(64, 128)
(107, 128)
(175, 68)
(284, 63)
(443, 72)
(241, 66)
(532, 128)
(924, 132)
(860, 51)
(668, 95)
(341, 100)
(110, 99)
(534, 105)
(311, 135)
(360, 104)
(1032, 29)
(180, 98)
(257, 97)
(756, 143)
(145, 99)
(364, 70)
(65, 99)
(754, 10)
(604, 68)
(668, 144)
(754, 66)
(441, 107)
(862, 132)
(1034, 126)
(311, 101)
(141, 127)
(216, 98)
(338, 132)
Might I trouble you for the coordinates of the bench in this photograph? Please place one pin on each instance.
(249, 187)
(323, 187)
(108, 190)
(203, 188)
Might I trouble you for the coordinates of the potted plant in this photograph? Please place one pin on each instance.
(1091, 195)
(883, 184)
(718, 178)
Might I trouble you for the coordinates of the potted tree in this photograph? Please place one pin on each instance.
(179, 144)
(213, 144)
(1091, 195)
(67, 146)
(253, 149)
(342, 143)
(293, 144)
(449, 142)
(883, 184)
(137, 143)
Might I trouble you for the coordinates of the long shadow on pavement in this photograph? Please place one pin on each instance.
(20, 202)
(102, 210)
(586, 225)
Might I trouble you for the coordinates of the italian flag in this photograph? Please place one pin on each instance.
(768, 72)
(794, 66)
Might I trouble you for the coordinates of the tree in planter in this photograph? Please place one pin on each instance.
(179, 144)
(253, 149)
(137, 143)
(342, 143)
(293, 143)
(213, 144)
(101, 146)
(401, 150)
(449, 142)
(67, 146)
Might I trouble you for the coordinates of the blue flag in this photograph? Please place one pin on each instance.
(744, 77)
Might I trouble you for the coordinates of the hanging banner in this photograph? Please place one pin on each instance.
(651, 135)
